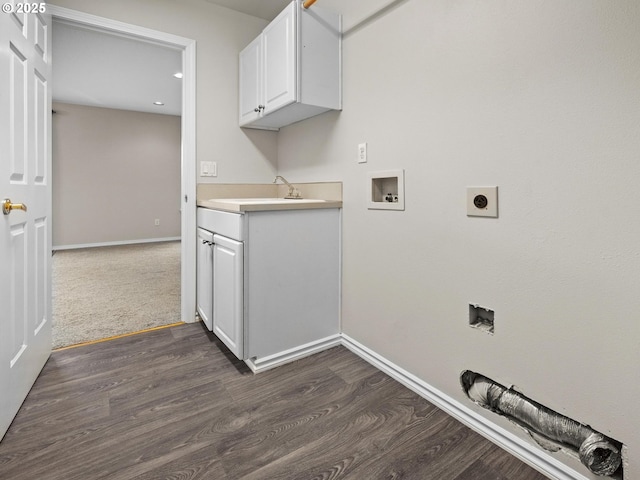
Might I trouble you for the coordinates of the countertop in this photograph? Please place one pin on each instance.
(241, 205)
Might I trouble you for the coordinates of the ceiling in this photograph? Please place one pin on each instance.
(100, 69)
(111, 71)
(266, 9)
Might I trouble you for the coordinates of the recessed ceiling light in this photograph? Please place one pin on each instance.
(178, 75)
(158, 103)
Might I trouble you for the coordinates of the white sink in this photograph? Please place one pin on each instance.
(264, 201)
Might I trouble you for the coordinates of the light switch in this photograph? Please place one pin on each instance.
(208, 169)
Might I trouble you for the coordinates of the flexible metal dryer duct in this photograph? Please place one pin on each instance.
(599, 453)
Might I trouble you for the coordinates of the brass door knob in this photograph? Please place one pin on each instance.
(7, 206)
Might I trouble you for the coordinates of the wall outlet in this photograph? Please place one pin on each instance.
(482, 202)
(362, 153)
(156, 222)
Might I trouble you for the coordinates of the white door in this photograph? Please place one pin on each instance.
(228, 293)
(25, 236)
(250, 74)
(279, 60)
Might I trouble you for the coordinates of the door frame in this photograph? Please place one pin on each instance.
(188, 138)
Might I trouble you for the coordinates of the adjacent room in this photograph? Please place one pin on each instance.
(116, 185)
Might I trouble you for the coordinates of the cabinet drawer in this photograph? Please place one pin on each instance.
(223, 223)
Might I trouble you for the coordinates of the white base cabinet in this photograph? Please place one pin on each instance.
(228, 292)
(292, 70)
(276, 281)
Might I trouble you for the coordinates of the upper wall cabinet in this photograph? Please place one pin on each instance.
(292, 70)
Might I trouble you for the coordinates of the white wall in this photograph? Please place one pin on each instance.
(115, 172)
(220, 33)
(542, 99)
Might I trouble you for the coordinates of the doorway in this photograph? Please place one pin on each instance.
(188, 147)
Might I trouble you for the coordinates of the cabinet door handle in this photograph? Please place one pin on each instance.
(259, 108)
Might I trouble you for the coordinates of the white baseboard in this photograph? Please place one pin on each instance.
(258, 365)
(526, 452)
(116, 243)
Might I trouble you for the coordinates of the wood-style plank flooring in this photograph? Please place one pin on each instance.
(174, 404)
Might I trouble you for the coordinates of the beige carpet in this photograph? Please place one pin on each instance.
(106, 291)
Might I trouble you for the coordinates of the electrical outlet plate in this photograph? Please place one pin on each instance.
(482, 202)
(362, 152)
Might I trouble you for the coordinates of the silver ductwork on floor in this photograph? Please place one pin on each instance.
(551, 430)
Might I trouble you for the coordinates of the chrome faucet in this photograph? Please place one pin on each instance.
(294, 193)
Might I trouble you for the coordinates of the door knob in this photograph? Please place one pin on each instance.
(7, 206)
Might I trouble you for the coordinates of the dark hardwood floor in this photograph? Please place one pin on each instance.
(174, 404)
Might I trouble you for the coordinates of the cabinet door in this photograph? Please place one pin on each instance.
(279, 60)
(204, 267)
(228, 294)
(250, 74)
